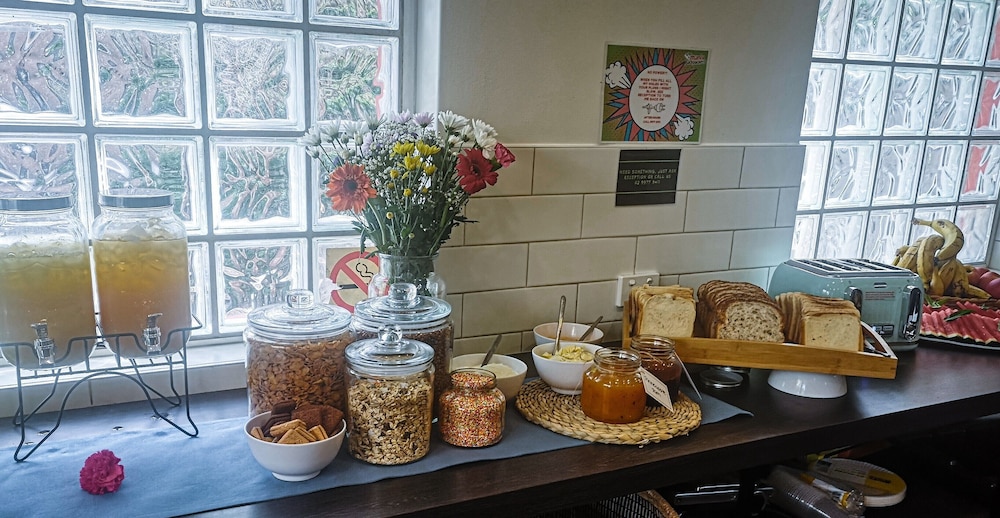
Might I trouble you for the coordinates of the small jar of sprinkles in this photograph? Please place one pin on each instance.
(472, 409)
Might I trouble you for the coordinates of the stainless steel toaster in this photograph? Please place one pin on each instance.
(889, 298)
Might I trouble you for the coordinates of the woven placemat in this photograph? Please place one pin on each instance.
(562, 414)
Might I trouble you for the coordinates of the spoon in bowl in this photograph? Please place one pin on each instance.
(586, 334)
(559, 323)
(493, 349)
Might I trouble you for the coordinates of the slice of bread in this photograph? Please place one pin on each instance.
(738, 311)
(663, 311)
(823, 322)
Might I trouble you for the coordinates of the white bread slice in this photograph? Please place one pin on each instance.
(665, 311)
(823, 322)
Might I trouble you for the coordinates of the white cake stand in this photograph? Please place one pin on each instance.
(808, 384)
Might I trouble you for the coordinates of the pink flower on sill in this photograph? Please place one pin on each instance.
(475, 171)
(101, 473)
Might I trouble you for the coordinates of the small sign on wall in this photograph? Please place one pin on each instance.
(647, 177)
(653, 94)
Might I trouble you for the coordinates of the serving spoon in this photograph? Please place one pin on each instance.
(586, 334)
(493, 349)
(559, 323)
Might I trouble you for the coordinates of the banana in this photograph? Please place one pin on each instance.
(899, 254)
(925, 258)
(954, 239)
(909, 257)
(962, 288)
(943, 280)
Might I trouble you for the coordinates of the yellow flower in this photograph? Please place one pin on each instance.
(424, 190)
(426, 149)
(402, 148)
(393, 173)
(388, 215)
(429, 169)
(390, 185)
(407, 192)
(412, 162)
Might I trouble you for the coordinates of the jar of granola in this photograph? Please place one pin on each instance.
(424, 319)
(472, 409)
(295, 351)
(389, 396)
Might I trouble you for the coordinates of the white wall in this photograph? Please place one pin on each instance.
(534, 69)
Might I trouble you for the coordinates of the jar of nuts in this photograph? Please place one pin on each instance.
(424, 319)
(295, 351)
(389, 395)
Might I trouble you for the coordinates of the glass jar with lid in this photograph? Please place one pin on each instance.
(46, 294)
(425, 319)
(472, 409)
(660, 359)
(389, 398)
(295, 351)
(141, 272)
(612, 390)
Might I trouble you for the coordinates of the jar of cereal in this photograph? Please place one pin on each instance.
(472, 409)
(425, 319)
(389, 396)
(295, 351)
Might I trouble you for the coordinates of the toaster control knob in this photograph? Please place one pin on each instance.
(856, 297)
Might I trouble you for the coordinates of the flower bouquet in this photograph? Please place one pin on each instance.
(406, 179)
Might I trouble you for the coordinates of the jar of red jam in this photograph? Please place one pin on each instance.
(612, 389)
(660, 359)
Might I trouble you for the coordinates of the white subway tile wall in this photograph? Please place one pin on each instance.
(550, 228)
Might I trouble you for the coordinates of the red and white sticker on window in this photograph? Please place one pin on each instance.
(351, 272)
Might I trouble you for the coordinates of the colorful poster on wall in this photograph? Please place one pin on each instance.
(653, 95)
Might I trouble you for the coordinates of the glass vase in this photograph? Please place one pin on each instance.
(417, 270)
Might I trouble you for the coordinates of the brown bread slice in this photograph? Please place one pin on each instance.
(738, 311)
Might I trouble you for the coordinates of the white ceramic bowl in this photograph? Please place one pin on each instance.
(293, 462)
(562, 377)
(509, 385)
(571, 331)
(808, 384)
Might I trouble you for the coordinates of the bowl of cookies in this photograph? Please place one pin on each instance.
(295, 442)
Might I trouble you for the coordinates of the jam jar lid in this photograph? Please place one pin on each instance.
(402, 306)
(34, 201)
(390, 354)
(300, 317)
(136, 198)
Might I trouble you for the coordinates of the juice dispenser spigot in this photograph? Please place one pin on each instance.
(45, 347)
(151, 334)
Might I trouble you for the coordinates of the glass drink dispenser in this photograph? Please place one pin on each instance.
(141, 272)
(46, 296)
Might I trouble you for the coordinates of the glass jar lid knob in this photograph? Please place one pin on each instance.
(403, 295)
(299, 299)
(390, 337)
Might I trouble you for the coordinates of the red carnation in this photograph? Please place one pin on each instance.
(504, 156)
(349, 188)
(101, 473)
(475, 171)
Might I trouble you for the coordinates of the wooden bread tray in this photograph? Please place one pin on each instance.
(789, 356)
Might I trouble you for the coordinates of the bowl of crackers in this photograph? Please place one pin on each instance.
(295, 442)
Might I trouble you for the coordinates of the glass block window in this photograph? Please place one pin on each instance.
(901, 121)
(205, 99)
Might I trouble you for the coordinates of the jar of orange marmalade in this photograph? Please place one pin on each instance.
(612, 389)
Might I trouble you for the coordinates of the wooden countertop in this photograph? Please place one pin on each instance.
(936, 386)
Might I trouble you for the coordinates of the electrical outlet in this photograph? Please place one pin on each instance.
(627, 282)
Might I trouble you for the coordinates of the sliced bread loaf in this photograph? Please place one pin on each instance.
(738, 311)
(663, 311)
(821, 321)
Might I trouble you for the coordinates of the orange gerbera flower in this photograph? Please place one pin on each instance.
(349, 188)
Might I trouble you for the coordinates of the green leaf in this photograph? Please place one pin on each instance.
(956, 315)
